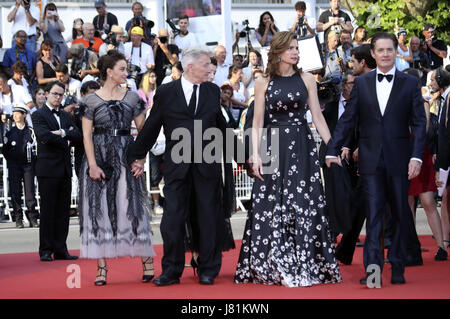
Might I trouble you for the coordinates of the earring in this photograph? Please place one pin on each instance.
(279, 59)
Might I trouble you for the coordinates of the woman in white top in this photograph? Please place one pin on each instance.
(404, 53)
(240, 93)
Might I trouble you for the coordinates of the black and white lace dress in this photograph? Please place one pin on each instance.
(114, 214)
(286, 239)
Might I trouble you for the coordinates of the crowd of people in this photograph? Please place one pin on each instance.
(107, 84)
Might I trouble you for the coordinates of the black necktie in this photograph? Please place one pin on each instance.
(388, 77)
(193, 101)
(55, 112)
(344, 103)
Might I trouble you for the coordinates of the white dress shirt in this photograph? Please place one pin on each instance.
(444, 100)
(342, 103)
(188, 88)
(63, 133)
(384, 89)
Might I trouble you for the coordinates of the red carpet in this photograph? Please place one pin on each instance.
(24, 276)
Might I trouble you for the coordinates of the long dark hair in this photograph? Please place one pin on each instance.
(262, 26)
(49, 6)
(74, 31)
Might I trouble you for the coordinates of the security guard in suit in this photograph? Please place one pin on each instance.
(19, 151)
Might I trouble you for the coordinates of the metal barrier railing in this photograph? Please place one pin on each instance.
(243, 185)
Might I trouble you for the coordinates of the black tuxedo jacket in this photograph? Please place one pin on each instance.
(171, 112)
(443, 138)
(387, 134)
(53, 153)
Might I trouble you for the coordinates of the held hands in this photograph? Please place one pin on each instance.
(256, 165)
(336, 160)
(137, 167)
(96, 173)
(413, 169)
(438, 182)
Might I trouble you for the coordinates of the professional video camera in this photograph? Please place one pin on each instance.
(133, 71)
(79, 64)
(174, 28)
(142, 22)
(301, 29)
(246, 31)
(329, 90)
(110, 39)
(7, 120)
(70, 99)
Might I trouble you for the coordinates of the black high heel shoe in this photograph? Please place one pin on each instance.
(194, 265)
(148, 262)
(101, 282)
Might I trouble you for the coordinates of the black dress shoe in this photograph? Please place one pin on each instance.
(346, 260)
(206, 280)
(441, 255)
(363, 281)
(166, 281)
(397, 279)
(19, 224)
(46, 257)
(34, 224)
(64, 256)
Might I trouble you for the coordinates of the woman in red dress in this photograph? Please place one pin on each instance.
(424, 186)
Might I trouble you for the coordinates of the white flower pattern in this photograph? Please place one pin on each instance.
(287, 240)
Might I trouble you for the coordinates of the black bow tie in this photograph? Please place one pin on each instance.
(388, 77)
(55, 112)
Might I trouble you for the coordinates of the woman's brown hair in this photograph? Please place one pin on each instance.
(279, 44)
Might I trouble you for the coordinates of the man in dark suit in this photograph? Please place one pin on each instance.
(54, 129)
(388, 104)
(186, 108)
(440, 81)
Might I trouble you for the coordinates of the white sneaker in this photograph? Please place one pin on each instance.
(158, 210)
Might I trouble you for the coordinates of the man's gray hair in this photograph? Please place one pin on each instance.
(193, 54)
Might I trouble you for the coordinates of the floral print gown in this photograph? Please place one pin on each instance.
(286, 238)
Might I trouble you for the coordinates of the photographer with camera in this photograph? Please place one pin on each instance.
(421, 61)
(165, 55)
(20, 53)
(139, 55)
(333, 56)
(88, 40)
(181, 37)
(25, 16)
(436, 49)
(254, 66)
(113, 41)
(301, 27)
(334, 20)
(84, 62)
(72, 93)
(140, 21)
(52, 27)
(104, 21)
